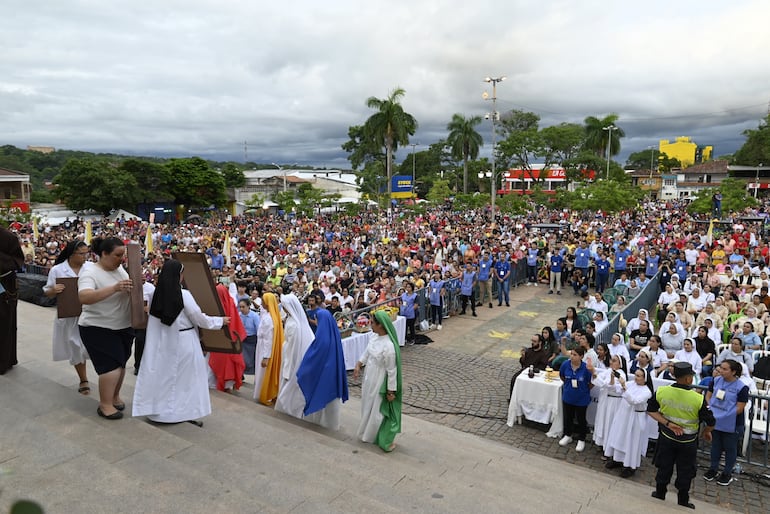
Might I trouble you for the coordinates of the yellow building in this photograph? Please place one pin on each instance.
(686, 150)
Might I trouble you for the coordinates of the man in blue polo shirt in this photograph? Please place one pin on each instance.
(583, 259)
(502, 275)
(556, 261)
(486, 264)
(651, 263)
(621, 259)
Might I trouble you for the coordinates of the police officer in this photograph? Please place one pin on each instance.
(679, 410)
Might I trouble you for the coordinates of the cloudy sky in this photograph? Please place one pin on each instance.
(200, 77)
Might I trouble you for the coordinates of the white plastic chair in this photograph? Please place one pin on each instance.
(758, 354)
(767, 342)
(720, 348)
(759, 419)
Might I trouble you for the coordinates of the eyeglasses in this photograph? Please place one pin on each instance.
(81, 253)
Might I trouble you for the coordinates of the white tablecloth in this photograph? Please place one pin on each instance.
(537, 400)
(354, 345)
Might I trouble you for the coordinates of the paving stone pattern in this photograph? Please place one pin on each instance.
(462, 381)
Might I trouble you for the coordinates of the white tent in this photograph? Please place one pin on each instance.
(120, 212)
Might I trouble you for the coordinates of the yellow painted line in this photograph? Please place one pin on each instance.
(510, 354)
(527, 314)
(499, 335)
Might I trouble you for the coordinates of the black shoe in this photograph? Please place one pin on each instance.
(558, 292)
(710, 475)
(627, 472)
(507, 304)
(724, 479)
(660, 496)
(500, 304)
(475, 315)
(114, 415)
(462, 312)
(136, 371)
(550, 292)
(684, 501)
(611, 464)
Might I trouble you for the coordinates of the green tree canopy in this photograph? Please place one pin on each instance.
(597, 137)
(90, 184)
(562, 142)
(521, 141)
(756, 149)
(151, 178)
(464, 141)
(362, 150)
(194, 183)
(389, 127)
(660, 160)
(735, 198)
(233, 175)
(605, 195)
(439, 192)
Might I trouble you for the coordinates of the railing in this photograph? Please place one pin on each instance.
(34, 269)
(646, 299)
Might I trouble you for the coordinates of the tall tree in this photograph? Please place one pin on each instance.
(362, 151)
(597, 137)
(389, 127)
(195, 183)
(521, 140)
(93, 184)
(233, 175)
(652, 156)
(465, 141)
(756, 149)
(562, 142)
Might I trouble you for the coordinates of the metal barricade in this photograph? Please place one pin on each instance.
(646, 299)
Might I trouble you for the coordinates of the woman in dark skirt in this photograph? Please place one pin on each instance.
(105, 323)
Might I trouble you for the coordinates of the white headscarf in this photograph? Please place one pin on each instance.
(291, 359)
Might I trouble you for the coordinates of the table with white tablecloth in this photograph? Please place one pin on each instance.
(354, 345)
(537, 400)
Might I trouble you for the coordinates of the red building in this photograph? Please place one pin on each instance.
(550, 180)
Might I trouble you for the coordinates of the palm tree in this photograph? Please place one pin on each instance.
(465, 141)
(596, 136)
(390, 126)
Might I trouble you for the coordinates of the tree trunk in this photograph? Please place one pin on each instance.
(465, 174)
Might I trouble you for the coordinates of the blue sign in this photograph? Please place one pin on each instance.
(402, 186)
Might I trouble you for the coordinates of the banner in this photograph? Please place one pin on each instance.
(401, 186)
(148, 242)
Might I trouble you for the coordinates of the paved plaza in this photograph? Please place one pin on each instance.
(462, 381)
(455, 409)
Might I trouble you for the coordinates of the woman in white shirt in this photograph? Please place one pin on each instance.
(597, 303)
(658, 357)
(688, 354)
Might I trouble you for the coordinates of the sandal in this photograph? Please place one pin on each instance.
(84, 389)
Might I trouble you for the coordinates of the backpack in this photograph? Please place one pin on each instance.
(762, 368)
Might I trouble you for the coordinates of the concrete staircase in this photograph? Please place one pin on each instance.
(54, 449)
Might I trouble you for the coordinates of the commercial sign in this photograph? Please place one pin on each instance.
(401, 186)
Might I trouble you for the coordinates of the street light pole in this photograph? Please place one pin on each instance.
(609, 129)
(413, 145)
(756, 189)
(494, 81)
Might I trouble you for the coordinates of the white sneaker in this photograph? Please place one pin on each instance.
(565, 440)
(432, 326)
(528, 284)
(438, 327)
(535, 284)
(580, 446)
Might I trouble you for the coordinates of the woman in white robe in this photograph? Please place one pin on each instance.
(264, 350)
(298, 336)
(270, 339)
(172, 384)
(67, 344)
(382, 368)
(609, 398)
(626, 443)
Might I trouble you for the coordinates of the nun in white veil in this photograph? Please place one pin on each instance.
(297, 339)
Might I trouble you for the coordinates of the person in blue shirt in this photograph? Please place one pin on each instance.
(217, 259)
(502, 275)
(554, 280)
(467, 288)
(583, 258)
(436, 293)
(312, 311)
(409, 311)
(680, 267)
(532, 253)
(602, 271)
(642, 280)
(486, 264)
(651, 263)
(621, 258)
(250, 321)
(575, 398)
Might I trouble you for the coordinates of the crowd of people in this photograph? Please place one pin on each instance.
(289, 276)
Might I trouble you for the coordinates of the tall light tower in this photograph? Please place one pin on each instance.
(494, 116)
(413, 145)
(284, 175)
(609, 129)
(756, 189)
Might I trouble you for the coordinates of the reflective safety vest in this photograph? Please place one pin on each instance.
(680, 406)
